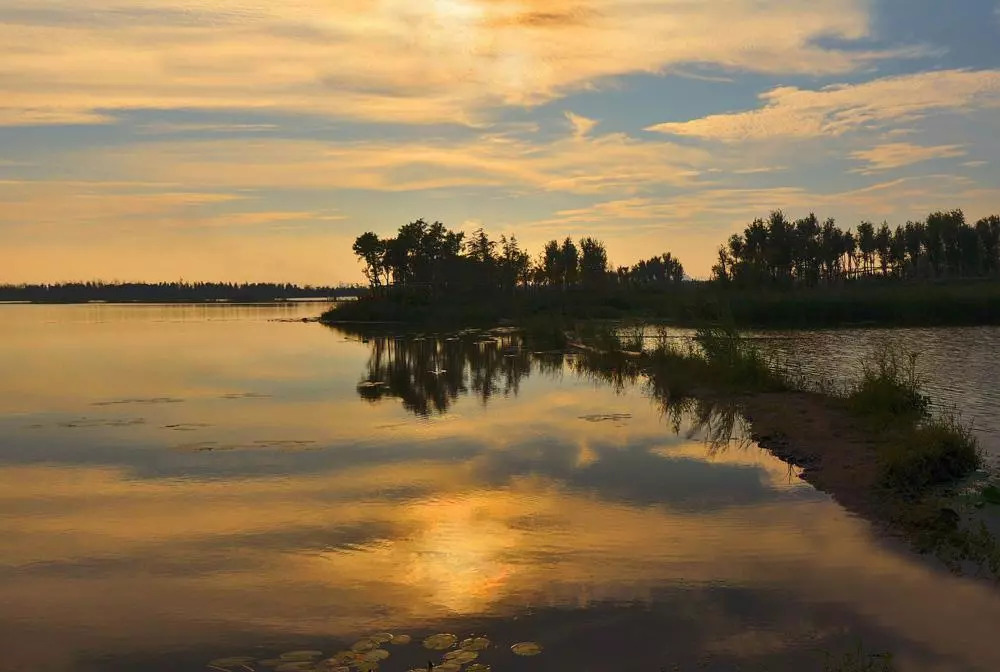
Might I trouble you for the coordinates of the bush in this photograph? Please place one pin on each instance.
(934, 452)
(742, 362)
(890, 386)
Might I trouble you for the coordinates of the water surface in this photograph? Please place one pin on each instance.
(183, 483)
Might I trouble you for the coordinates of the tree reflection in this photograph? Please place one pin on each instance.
(428, 374)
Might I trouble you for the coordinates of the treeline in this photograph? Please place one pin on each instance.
(432, 259)
(781, 252)
(115, 292)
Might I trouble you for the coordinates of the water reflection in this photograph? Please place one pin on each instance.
(429, 374)
(585, 515)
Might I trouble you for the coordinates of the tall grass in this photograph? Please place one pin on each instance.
(934, 451)
(741, 361)
(890, 386)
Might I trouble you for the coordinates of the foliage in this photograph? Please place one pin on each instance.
(79, 292)
(934, 451)
(744, 363)
(859, 661)
(805, 252)
(890, 386)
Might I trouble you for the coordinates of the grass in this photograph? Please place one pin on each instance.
(890, 387)
(934, 451)
(740, 361)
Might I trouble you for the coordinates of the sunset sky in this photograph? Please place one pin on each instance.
(254, 139)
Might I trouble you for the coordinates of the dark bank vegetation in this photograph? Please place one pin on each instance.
(776, 273)
(875, 445)
(163, 292)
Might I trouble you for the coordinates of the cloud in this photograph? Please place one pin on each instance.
(582, 126)
(899, 154)
(790, 112)
(580, 164)
(391, 60)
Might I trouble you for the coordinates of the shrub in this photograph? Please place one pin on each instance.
(890, 385)
(741, 361)
(933, 452)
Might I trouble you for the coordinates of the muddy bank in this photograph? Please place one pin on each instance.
(838, 455)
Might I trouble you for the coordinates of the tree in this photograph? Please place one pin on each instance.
(570, 262)
(593, 262)
(371, 251)
(883, 245)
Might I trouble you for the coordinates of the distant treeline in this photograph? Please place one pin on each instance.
(161, 292)
(806, 252)
(432, 260)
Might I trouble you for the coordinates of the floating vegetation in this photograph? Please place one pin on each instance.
(301, 655)
(233, 661)
(440, 642)
(296, 666)
(187, 426)
(526, 649)
(475, 644)
(153, 400)
(342, 658)
(101, 422)
(376, 655)
(366, 654)
(606, 417)
(461, 656)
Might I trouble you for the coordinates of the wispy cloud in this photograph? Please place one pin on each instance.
(390, 59)
(790, 112)
(899, 154)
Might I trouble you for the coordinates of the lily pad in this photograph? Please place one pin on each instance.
(271, 662)
(296, 666)
(376, 655)
(233, 661)
(526, 649)
(301, 655)
(342, 658)
(363, 645)
(478, 667)
(475, 644)
(449, 666)
(381, 637)
(365, 666)
(440, 642)
(401, 639)
(461, 656)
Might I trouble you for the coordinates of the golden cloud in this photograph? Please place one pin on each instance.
(389, 60)
(790, 112)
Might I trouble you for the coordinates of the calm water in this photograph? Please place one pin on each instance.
(181, 483)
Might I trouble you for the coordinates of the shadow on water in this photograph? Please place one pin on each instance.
(428, 374)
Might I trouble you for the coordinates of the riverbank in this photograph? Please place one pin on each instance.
(859, 303)
(874, 447)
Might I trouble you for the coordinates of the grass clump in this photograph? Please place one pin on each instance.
(890, 386)
(740, 360)
(933, 452)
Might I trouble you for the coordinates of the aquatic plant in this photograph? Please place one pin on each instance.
(891, 385)
(739, 359)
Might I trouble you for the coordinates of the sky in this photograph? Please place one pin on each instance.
(254, 140)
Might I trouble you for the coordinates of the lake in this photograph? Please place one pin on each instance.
(180, 484)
